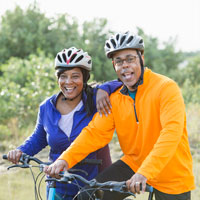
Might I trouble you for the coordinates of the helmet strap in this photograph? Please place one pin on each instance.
(68, 99)
(140, 80)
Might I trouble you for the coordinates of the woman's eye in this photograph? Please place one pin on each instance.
(75, 76)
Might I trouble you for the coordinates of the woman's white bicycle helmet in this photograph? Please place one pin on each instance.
(122, 41)
(73, 57)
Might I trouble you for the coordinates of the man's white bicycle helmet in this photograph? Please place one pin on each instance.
(73, 57)
(122, 41)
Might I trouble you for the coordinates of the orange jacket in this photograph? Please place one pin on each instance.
(156, 147)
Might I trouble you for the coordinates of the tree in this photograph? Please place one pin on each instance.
(25, 83)
(94, 37)
(163, 60)
(26, 32)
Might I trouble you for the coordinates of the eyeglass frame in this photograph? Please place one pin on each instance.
(127, 59)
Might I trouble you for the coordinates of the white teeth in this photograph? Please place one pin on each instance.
(69, 89)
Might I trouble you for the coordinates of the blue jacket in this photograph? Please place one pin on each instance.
(47, 132)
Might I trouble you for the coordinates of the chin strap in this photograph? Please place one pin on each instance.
(65, 98)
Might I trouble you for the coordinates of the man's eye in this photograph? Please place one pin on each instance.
(118, 61)
(130, 60)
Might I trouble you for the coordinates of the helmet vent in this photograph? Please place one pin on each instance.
(130, 39)
(113, 42)
(141, 41)
(117, 37)
(79, 58)
(73, 56)
(122, 39)
(59, 58)
(69, 53)
(108, 45)
(64, 57)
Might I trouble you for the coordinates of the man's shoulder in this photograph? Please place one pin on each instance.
(161, 79)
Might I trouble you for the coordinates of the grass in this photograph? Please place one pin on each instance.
(18, 185)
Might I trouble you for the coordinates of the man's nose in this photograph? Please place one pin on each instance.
(124, 63)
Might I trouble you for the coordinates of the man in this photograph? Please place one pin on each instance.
(148, 114)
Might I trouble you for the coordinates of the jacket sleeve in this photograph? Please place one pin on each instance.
(172, 115)
(110, 86)
(37, 141)
(96, 135)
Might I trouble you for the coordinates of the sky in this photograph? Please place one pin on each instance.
(163, 19)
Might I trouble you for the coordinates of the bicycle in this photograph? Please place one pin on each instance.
(69, 177)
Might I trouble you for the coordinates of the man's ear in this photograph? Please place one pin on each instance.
(113, 64)
(142, 56)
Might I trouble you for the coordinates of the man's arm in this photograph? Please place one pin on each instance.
(172, 112)
(96, 135)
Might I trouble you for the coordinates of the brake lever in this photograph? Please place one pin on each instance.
(17, 165)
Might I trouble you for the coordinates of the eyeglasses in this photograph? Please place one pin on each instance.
(129, 60)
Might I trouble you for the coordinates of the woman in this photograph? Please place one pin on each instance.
(62, 116)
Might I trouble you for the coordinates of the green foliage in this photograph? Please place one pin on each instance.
(25, 32)
(24, 84)
(191, 83)
(94, 37)
(163, 60)
(30, 40)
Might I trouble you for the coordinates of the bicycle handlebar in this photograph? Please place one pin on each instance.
(25, 159)
(67, 177)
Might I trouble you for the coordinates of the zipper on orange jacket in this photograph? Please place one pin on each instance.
(135, 113)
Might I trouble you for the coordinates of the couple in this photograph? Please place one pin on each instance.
(147, 112)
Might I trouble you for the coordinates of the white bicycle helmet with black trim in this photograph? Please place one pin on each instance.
(73, 57)
(122, 41)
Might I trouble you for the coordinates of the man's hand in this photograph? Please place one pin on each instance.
(103, 102)
(133, 184)
(55, 168)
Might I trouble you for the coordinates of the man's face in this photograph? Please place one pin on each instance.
(127, 66)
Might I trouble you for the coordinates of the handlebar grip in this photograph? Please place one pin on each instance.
(5, 157)
(148, 188)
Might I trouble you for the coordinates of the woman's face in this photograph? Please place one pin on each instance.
(71, 83)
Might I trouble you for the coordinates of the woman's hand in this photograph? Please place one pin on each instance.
(134, 183)
(55, 168)
(103, 102)
(14, 155)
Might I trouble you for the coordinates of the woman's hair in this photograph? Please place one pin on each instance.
(89, 102)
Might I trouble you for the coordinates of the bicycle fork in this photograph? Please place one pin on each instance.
(52, 190)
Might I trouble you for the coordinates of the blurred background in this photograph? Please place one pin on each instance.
(33, 31)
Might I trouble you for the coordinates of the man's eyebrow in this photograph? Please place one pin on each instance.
(76, 72)
(129, 55)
